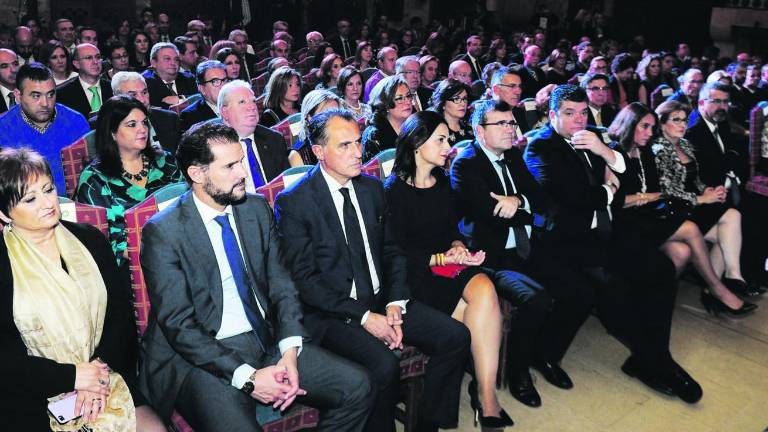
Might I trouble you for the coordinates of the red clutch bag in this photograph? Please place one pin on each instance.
(448, 271)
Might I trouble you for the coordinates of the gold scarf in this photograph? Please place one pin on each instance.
(60, 316)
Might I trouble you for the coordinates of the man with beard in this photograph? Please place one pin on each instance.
(37, 121)
(226, 322)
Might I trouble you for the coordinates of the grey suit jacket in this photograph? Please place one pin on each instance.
(185, 291)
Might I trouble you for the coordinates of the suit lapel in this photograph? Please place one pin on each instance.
(252, 241)
(324, 202)
(368, 210)
(488, 168)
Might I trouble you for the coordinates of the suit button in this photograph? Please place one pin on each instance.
(348, 320)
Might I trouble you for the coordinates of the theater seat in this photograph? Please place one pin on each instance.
(660, 94)
(289, 127)
(380, 166)
(75, 157)
(758, 137)
(284, 180)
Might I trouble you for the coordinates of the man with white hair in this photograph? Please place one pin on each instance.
(86, 93)
(460, 71)
(164, 128)
(690, 84)
(408, 68)
(314, 38)
(266, 154)
(166, 85)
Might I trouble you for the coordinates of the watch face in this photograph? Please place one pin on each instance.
(247, 387)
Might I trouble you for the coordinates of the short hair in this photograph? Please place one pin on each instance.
(400, 63)
(237, 32)
(566, 92)
(180, 42)
(317, 129)
(326, 67)
(414, 132)
(160, 45)
(346, 74)
(444, 91)
(112, 112)
(582, 46)
(489, 70)
(731, 68)
(205, 66)
(17, 167)
(227, 89)
(622, 130)
(123, 77)
(195, 145)
(668, 107)
(59, 21)
(709, 87)
(483, 107)
(313, 33)
(383, 51)
(311, 103)
(689, 74)
(382, 97)
(76, 51)
(277, 85)
(423, 60)
(621, 62)
(507, 70)
(473, 37)
(588, 78)
(114, 46)
(33, 72)
(85, 28)
(272, 45)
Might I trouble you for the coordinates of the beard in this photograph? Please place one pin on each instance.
(224, 197)
(720, 115)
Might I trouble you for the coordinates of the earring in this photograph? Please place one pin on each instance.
(416, 152)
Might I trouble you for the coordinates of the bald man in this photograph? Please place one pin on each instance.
(386, 67)
(533, 76)
(9, 66)
(25, 42)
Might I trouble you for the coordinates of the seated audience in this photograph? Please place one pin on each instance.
(451, 100)
(217, 241)
(624, 85)
(282, 96)
(85, 94)
(166, 85)
(9, 67)
(139, 50)
(314, 103)
(690, 85)
(555, 71)
(532, 75)
(408, 68)
(37, 121)
(350, 87)
(53, 55)
(353, 305)
(392, 103)
(67, 321)
(429, 66)
(385, 59)
(329, 72)
(497, 53)
(363, 56)
(211, 75)
(232, 60)
(118, 59)
(506, 86)
(601, 112)
(649, 71)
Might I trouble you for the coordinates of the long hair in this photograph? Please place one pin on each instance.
(112, 112)
(415, 131)
(622, 130)
(277, 86)
(326, 67)
(447, 89)
(47, 50)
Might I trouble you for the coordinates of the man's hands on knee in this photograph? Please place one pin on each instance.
(270, 384)
(289, 363)
(378, 326)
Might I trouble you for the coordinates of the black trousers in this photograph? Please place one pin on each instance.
(443, 339)
(631, 287)
(339, 388)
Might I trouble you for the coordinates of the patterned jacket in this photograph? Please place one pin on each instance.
(672, 171)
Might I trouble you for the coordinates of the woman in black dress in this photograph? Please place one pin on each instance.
(392, 102)
(282, 96)
(678, 179)
(451, 100)
(422, 214)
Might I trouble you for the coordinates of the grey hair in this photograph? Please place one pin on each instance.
(400, 63)
(237, 32)
(311, 102)
(227, 89)
(121, 78)
(688, 74)
(160, 45)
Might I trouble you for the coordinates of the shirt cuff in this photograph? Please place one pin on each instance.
(290, 342)
(241, 375)
(609, 192)
(400, 303)
(618, 165)
(365, 317)
(525, 205)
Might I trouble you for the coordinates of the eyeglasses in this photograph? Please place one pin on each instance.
(679, 120)
(699, 82)
(217, 82)
(510, 86)
(96, 57)
(459, 100)
(501, 123)
(462, 75)
(719, 101)
(597, 89)
(409, 72)
(406, 98)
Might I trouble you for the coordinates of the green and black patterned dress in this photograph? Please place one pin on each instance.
(117, 194)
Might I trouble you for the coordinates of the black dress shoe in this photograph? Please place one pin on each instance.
(521, 387)
(684, 385)
(554, 374)
(656, 382)
(742, 288)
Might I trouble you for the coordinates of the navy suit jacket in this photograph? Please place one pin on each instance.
(185, 85)
(195, 113)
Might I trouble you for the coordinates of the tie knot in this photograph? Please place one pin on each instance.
(222, 220)
(344, 192)
(502, 162)
(247, 141)
(94, 89)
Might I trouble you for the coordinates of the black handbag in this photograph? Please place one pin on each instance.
(671, 209)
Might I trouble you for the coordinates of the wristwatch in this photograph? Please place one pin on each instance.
(249, 386)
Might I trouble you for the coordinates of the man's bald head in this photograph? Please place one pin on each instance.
(460, 71)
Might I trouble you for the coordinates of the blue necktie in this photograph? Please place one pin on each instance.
(253, 164)
(235, 259)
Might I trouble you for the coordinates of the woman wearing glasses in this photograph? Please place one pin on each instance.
(450, 99)
(282, 96)
(392, 103)
(720, 224)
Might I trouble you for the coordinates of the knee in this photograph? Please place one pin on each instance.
(689, 229)
(731, 216)
(359, 389)
(480, 288)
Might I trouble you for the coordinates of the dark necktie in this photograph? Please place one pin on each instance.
(522, 244)
(356, 247)
(347, 51)
(170, 88)
(603, 219)
(253, 164)
(240, 276)
(11, 100)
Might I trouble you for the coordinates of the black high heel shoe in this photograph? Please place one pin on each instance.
(742, 288)
(486, 423)
(715, 306)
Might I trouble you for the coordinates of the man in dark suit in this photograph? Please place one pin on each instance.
(497, 198)
(211, 76)
(633, 287)
(164, 128)
(266, 151)
(226, 320)
(248, 68)
(351, 277)
(167, 86)
(87, 93)
(472, 57)
(532, 75)
(690, 84)
(9, 66)
(600, 113)
(342, 42)
(507, 86)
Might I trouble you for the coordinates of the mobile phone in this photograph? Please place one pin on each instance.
(62, 407)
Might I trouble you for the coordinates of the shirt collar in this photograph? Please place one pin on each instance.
(710, 125)
(489, 154)
(34, 125)
(333, 184)
(87, 86)
(208, 213)
(213, 107)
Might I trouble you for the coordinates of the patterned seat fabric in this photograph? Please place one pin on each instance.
(758, 138)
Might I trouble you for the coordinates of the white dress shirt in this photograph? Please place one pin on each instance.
(4, 92)
(233, 318)
(338, 202)
(214, 107)
(249, 186)
(712, 127)
(511, 244)
(89, 93)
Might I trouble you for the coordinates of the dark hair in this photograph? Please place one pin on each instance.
(226, 52)
(195, 145)
(668, 107)
(384, 99)
(17, 167)
(622, 61)
(319, 54)
(346, 74)
(32, 71)
(317, 129)
(588, 78)
(112, 112)
(326, 67)
(444, 91)
(483, 107)
(507, 70)
(181, 44)
(205, 66)
(112, 47)
(622, 130)
(415, 131)
(278, 84)
(359, 52)
(566, 92)
(47, 50)
(85, 28)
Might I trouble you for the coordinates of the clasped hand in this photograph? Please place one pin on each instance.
(459, 254)
(387, 329)
(279, 384)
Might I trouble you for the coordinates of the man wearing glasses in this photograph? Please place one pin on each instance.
(211, 76)
(690, 84)
(601, 113)
(166, 85)
(507, 86)
(408, 68)
(85, 94)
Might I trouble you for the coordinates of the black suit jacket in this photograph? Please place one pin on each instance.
(425, 95)
(338, 49)
(185, 85)
(607, 114)
(533, 79)
(473, 178)
(315, 250)
(713, 163)
(521, 117)
(557, 168)
(29, 380)
(195, 113)
(3, 104)
(273, 151)
(71, 94)
(477, 73)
